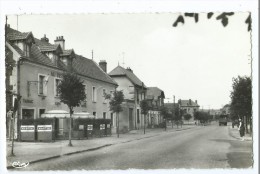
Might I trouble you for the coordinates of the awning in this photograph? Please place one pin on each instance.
(56, 113)
(65, 114)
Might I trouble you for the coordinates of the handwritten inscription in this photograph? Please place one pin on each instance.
(19, 165)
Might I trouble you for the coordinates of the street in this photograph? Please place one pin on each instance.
(201, 147)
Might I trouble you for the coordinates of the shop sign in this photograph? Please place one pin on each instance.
(90, 127)
(81, 127)
(27, 128)
(44, 128)
(27, 101)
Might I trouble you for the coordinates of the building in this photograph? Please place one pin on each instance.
(134, 92)
(188, 107)
(155, 97)
(34, 69)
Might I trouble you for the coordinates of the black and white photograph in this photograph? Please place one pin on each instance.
(129, 91)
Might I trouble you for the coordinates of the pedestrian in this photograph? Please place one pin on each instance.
(241, 129)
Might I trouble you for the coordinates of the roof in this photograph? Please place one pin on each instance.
(45, 46)
(89, 68)
(12, 34)
(170, 105)
(189, 103)
(154, 93)
(81, 65)
(120, 71)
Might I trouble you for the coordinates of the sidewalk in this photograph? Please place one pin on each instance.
(233, 132)
(33, 152)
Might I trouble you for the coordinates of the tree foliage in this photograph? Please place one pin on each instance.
(187, 116)
(165, 112)
(223, 17)
(144, 107)
(241, 97)
(202, 116)
(71, 90)
(115, 101)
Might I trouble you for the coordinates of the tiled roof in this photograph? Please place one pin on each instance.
(89, 68)
(80, 64)
(45, 46)
(120, 71)
(188, 103)
(12, 34)
(154, 93)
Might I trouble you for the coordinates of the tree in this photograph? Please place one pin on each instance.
(165, 113)
(144, 110)
(223, 17)
(71, 92)
(241, 99)
(187, 117)
(115, 105)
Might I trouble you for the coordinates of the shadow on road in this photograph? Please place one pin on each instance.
(240, 153)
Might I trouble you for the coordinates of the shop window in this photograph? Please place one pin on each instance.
(27, 113)
(41, 111)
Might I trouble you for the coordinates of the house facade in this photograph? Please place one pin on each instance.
(34, 70)
(188, 107)
(155, 97)
(134, 92)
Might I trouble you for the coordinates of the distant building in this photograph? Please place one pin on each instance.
(155, 97)
(37, 70)
(134, 92)
(189, 107)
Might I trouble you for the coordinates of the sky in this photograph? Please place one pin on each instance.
(192, 61)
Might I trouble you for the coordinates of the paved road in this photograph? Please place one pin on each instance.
(201, 147)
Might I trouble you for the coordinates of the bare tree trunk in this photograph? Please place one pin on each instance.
(12, 151)
(117, 119)
(70, 130)
(144, 123)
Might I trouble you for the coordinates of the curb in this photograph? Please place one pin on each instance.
(92, 149)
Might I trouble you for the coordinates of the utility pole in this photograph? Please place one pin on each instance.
(173, 110)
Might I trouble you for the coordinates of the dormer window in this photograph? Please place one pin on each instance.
(64, 60)
(26, 50)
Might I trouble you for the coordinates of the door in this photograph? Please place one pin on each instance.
(131, 120)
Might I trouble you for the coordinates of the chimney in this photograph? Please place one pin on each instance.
(129, 69)
(103, 65)
(45, 39)
(189, 101)
(60, 40)
(196, 101)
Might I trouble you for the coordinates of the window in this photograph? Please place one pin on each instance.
(86, 91)
(41, 111)
(27, 50)
(104, 96)
(94, 94)
(42, 85)
(27, 113)
(94, 113)
(104, 115)
(56, 84)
